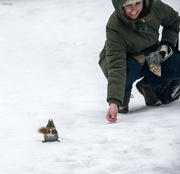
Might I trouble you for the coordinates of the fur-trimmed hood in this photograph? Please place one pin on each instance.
(120, 12)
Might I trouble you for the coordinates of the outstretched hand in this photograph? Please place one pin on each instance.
(112, 113)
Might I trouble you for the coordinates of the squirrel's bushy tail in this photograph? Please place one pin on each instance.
(42, 130)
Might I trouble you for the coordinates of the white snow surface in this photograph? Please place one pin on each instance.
(49, 51)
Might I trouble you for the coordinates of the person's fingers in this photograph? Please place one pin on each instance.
(114, 118)
(111, 117)
(108, 117)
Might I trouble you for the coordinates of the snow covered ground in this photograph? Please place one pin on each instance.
(48, 70)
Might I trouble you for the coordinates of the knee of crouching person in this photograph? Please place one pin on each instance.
(140, 59)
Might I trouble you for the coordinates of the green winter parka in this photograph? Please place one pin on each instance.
(126, 37)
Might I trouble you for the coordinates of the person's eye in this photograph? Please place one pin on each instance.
(138, 3)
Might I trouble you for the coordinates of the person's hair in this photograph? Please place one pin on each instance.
(144, 11)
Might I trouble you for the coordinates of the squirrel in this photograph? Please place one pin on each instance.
(50, 132)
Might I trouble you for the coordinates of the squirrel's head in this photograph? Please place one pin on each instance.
(50, 124)
(51, 127)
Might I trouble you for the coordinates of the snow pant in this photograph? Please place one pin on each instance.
(170, 70)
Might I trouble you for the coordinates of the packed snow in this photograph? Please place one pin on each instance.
(49, 51)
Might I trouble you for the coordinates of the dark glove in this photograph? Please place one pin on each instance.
(165, 51)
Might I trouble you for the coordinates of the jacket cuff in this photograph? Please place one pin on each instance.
(167, 43)
(114, 101)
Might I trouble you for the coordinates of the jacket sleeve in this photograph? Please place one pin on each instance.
(116, 58)
(170, 23)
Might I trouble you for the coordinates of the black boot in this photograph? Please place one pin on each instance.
(149, 93)
(124, 107)
(169, 91)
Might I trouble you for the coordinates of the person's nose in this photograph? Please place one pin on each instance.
(133, 8)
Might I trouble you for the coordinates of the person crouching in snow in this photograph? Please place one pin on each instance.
(132, 51)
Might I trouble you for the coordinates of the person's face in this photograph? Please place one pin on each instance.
(133, 10)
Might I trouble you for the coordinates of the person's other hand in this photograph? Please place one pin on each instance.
(112, 113)
(165, 51)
